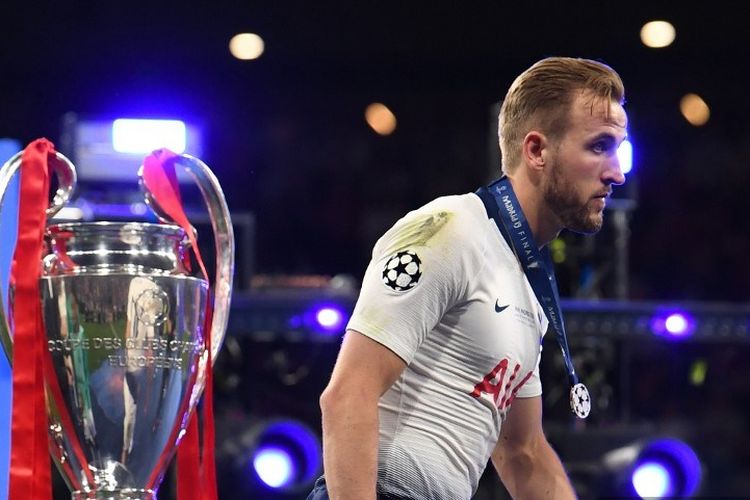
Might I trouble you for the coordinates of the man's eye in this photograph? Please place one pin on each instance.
(599, 147)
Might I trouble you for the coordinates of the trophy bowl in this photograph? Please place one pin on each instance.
(125, 330)
(126, 336)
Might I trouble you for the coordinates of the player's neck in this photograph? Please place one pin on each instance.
(544, 225)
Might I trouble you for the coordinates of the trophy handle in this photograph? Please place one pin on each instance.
(65, 171)
(221, 224)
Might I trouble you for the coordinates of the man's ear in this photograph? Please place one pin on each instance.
(533, 150)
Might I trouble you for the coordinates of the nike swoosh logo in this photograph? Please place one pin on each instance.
(499, 308)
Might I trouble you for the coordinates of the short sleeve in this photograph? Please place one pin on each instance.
(419, 270)
(532, 387)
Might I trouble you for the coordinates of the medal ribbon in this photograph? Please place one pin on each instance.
(30, 474)
(503, 207)
(160, 179)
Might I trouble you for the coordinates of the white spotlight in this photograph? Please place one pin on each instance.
(657, 34)
(246, 46)
(136, 136)
(625, 156)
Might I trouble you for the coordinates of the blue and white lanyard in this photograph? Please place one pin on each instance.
(502, 206)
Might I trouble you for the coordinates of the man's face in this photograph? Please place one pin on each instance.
(583, 164)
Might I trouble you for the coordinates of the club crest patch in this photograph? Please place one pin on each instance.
(402, 271)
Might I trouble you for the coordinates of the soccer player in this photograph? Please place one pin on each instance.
(439, 368)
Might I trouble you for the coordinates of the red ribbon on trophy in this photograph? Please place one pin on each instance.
(160, 178)
(30, 474)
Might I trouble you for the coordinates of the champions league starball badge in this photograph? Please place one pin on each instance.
(402, 271)
(580, 400)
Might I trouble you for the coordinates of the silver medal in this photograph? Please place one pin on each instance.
(580, 400)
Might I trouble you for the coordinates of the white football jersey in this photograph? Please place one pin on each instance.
(446, 293)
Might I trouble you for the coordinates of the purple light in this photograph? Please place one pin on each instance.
(652, 480)
(666, 467)
(287, 455)
(328, 319)
(676, 324)
(673, 324)
(274, 466)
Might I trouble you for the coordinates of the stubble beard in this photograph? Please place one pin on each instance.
(563, 200)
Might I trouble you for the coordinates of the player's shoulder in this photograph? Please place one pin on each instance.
(442, 222)
(466, 202)
(457, 212)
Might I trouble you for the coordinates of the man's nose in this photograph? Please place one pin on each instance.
(613, 173)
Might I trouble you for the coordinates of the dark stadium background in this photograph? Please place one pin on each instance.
(286, 137)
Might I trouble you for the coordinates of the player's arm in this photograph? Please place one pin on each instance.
(364, 370)
(524, 459)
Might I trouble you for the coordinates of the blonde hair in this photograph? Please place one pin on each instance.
(541, 96)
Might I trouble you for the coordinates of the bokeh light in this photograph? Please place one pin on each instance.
(329, 318)
(673, 324)
(380, 118)
(625, 156)
(246, 46)
(694, 109)
(136, 136)
(651, 480)
(676, 324)
(287, 456)
(274, 467)
(666, 467)
(658, 34)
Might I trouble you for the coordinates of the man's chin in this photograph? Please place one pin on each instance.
(589, 225)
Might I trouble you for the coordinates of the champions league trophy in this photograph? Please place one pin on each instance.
(124, 323)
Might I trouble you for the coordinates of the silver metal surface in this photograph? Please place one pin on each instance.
(125, 332)
(108, 247)
(124, 328)
(221, 222)
(61, 166)
(66, 180)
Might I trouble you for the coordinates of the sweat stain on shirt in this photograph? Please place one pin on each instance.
(418, 232)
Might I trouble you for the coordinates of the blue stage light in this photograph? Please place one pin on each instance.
(321, 319)
(329, 319)
(274, 466)
(140, 136)
(673, 324)
(666, 467)
(652, 480)
(9, 229)
(625, 155)
(676, 324)
(286, 456)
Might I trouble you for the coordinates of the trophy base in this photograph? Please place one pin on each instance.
(125, 494)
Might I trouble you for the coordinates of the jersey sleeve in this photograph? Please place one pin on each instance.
(419, 270)
(533, 386)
